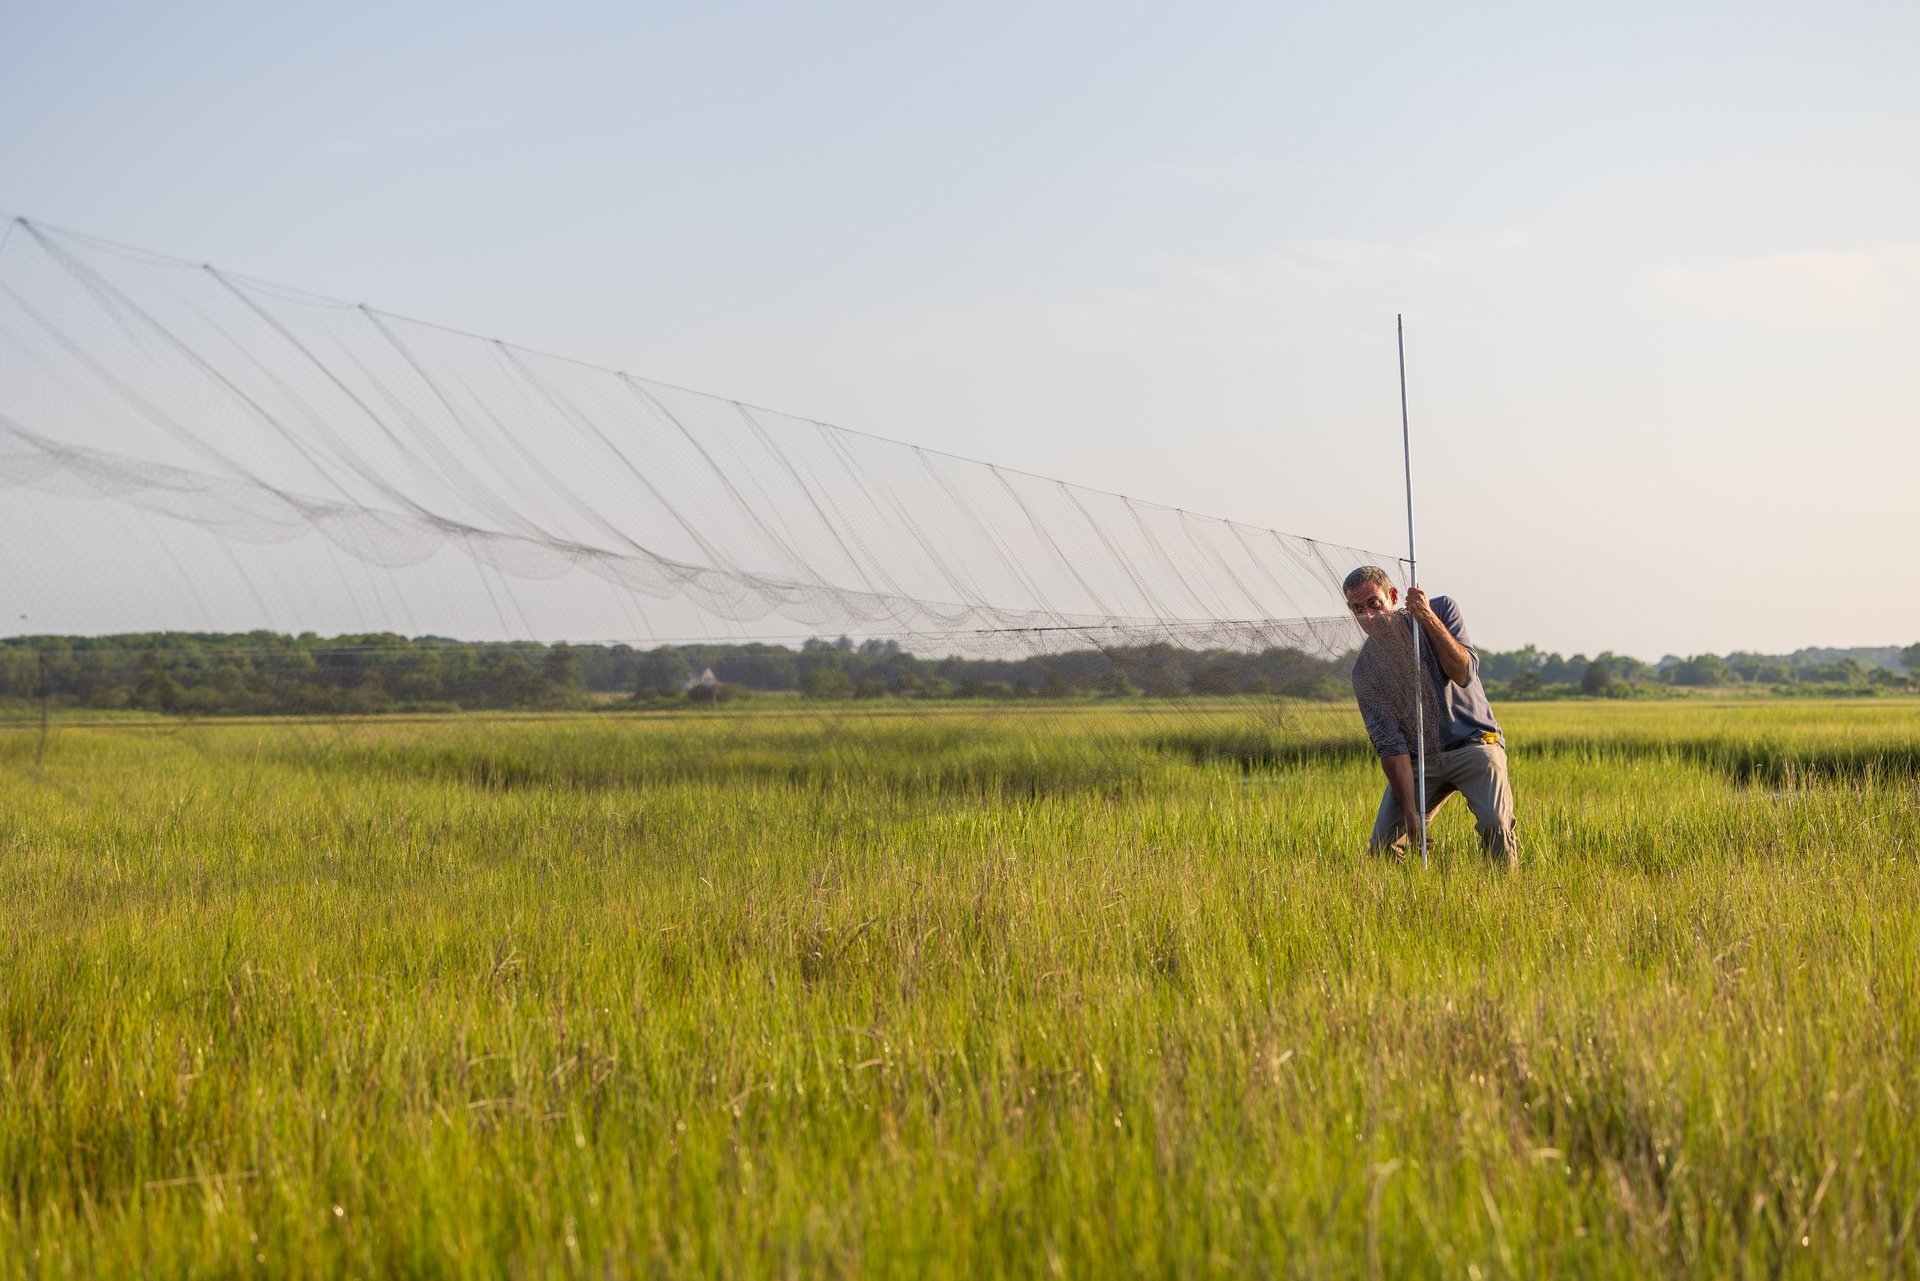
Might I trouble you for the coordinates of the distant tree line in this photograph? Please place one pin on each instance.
(825, 669)
(261, 673)
(268, 673)
(1530, 673)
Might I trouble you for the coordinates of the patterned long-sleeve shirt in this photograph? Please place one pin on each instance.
(1454, 714)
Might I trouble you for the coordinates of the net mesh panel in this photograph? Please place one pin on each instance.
(185, 450)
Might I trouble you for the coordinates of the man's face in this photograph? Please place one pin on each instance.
(1373, 605)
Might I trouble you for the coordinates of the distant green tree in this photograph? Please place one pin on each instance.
(560, 669)
(1498, 666)
(661, 671)
(1910, 656)
(1626, 667)
(1846, 671)
(1761, 669)
(1165, 675)
(156, 690)
(1702, 669)
(1216, 678)
(1563, 671)
(826, 682)
(1056, 685)
(1598, 679)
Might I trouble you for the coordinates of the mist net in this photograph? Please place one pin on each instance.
(225, 473)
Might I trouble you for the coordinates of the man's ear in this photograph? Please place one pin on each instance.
(1393, 595)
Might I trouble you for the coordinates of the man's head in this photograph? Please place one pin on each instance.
(1372, 597)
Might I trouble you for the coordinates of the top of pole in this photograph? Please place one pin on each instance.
(1406, 447)
(1413, 578)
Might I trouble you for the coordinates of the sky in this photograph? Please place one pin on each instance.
(1659, 263)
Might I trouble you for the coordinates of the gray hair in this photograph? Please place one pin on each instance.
(1367, 574)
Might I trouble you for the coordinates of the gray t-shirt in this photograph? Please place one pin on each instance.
(1383, 681)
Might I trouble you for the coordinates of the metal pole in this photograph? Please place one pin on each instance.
(1413, 580)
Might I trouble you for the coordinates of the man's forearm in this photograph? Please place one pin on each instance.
(1454, 658)
(1399, 771)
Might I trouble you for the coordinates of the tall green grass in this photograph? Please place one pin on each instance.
(1083, 993)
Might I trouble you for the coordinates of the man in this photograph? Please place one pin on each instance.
(1465, 750)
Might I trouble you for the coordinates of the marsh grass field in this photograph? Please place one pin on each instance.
(1081, 992)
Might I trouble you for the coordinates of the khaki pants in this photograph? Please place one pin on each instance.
(1478, 772)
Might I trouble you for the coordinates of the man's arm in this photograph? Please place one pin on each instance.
(1399, 771)
(1455, 659)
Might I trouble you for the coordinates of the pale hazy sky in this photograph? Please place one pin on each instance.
(1660, 262)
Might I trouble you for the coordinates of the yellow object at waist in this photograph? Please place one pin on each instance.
(1487, 737)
